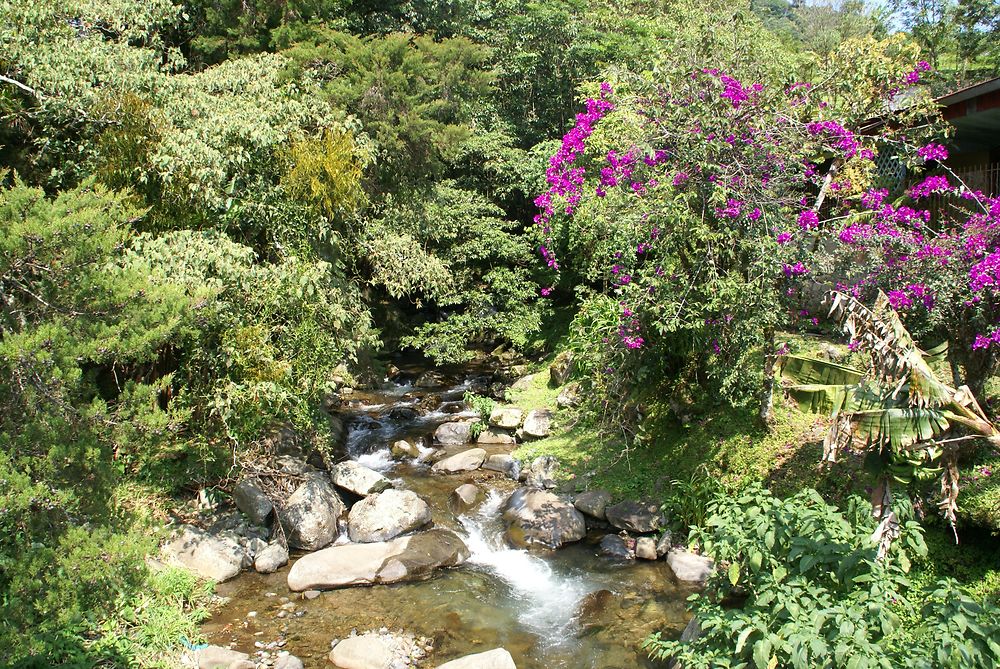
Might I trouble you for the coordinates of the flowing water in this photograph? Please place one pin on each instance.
(565, 609)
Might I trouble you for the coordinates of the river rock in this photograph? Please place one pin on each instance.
(217, 657)
(506, 417)
(289, 662)
(464, 497)
(613, 545)
(523, 383)
(538, 517)
(310, 514)
(538, 423)
(645, 548)
(214, 557)
(403, 559)
(634, 516)
(358, 479)
(561, 368)
(271, 559)
(690, 567)
(453, 434)
(664, 543)
(496, 437)
(403, 413)
(593, 503)
(430, 379)
(404, 449)
(289, 464)
(466, 461)
(541, 473)
(250, 498)
(385, 515)
(569, 396)
(503, 463)
(365, 651)
(498, 658)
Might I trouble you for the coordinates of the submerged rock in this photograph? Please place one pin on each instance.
(387, 514)
(615, 546)
(506, 417)
(404, 449)
(498, 658)
(310, 514)
(464, 497)
(217, 657)
(366, 651)
(453, 434)
(593, 503)
(354, 477)
(635, 516)
(538, 423)
(402, 559)
(466, 461)
(215, 557)
(250, 498)
(537, 517)
(690, 567)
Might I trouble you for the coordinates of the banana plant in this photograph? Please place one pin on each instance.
(912, 424)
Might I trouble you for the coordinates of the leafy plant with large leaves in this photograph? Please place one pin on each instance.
(913, 424)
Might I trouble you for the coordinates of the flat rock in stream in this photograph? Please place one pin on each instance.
(690, 567)
(464, 497)
(403, 559)
(453, 434)
(386, 515)
(507, 465)
(540, 518)
(354, 477)
(466, 461)
(496, 437)
(217, 657)
(498, 658)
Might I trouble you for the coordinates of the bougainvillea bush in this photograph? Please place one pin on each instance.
(712, 206)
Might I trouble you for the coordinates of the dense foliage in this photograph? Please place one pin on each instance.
(214, 213)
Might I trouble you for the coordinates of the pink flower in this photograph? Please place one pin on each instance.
(808, 220)
(933, 152)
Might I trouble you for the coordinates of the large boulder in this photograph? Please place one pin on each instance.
(354, 477)
(593, 503)
(271, 559)
(385, 515)
(309, 515)
(214, 557)
(407, 558)
(250, 498)
(541, 473)
(690, 567)
(561, 368)
(538, 423)
(539, 518)
(466, 461)
(453, 434)
(506, 417)
(635, 516)
(498, 658)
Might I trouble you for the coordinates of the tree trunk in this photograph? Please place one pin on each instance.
(766, 412)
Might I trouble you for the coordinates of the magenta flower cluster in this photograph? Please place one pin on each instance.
(933, 152)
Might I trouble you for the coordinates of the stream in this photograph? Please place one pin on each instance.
(564, 609)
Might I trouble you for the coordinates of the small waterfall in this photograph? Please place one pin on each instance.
(547, 600)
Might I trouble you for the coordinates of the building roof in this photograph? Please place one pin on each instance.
(975, 113)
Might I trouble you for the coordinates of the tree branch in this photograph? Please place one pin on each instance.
(23, 87)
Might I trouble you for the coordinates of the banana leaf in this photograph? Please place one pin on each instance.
(901, 428)
(801, 370)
